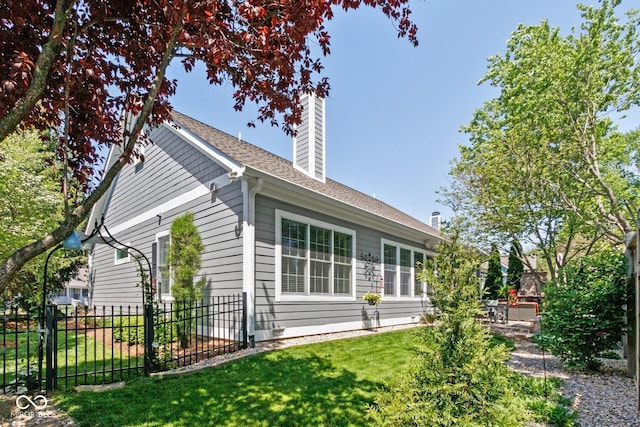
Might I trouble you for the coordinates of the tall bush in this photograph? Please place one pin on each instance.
(185, 261)
(493, 281)
(456, 377)
(515, 270)
(583, 310)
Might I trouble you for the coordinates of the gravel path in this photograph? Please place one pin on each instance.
(606, 399)
(603, 399)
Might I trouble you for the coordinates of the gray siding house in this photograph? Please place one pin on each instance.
(303, 247)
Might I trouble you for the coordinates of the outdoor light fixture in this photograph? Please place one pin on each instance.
(72, 241)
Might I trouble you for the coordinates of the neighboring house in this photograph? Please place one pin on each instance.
(532, 281)
(303, 247)
(75, 291)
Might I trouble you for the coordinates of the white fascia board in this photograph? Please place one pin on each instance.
(215, 154)
(289, 192)
(176, 202)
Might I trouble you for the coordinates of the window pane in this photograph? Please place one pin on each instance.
(405, 272)
(389, 270)
(164, 275)
(122, 254)
(294, 253)
(342, 279)
(320, 274)
(418, 258)
(320, 246)
(343, 261)
(320, 243)
(293, 275)
(294, 238)
(342, 247)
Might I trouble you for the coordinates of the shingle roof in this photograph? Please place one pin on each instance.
(256, 158)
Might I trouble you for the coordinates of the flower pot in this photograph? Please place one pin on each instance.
(371, 302)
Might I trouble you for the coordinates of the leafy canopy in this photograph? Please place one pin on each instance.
(545, 163)
(93, 72)
(31, 202)
(88, 61)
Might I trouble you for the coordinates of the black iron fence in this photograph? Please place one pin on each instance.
(106, 344)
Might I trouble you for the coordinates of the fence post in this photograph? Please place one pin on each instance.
(148, 338)
(244, 320)
(51, 330)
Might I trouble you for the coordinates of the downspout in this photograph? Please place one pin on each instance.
(249, 252)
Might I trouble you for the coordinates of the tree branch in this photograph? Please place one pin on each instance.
(50, 50)
(19, 258)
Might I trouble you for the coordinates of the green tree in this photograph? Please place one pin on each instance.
(546, 164)
(493, 283)
(185, 261)
(456, 377)
(515, 269)
(583, 310)
(30, 201)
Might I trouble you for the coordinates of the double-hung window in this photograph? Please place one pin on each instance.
(419, 286)
(390, 267)
(314, 259)
(164, 273)
(406, 272)
(400, 272)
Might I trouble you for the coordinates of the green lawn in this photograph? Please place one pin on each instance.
(82, 354)
(319, 384)
(322, 384)
(93, 362)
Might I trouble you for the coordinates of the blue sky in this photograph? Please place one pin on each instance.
(394, 111)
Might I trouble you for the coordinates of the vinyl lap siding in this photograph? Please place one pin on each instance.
(172, 167)
(286, 314)
(302, 149)
(319, 140)
(218, 217)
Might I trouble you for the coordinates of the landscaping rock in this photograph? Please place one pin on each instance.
(606, 398)
(100, 387)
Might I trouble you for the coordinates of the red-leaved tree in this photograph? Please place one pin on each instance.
(78, 67)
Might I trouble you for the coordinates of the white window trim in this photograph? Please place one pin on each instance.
(118, 261)
(280, 296)
(163, 297)
(412, 288)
